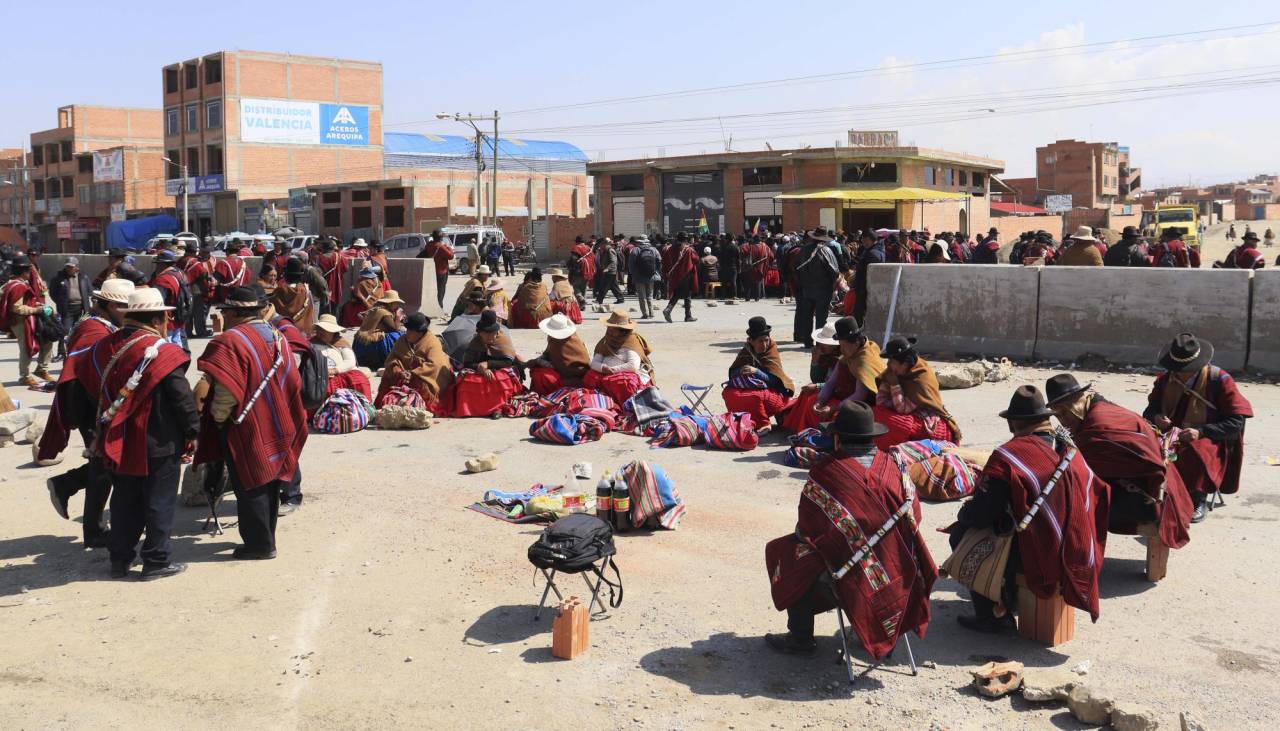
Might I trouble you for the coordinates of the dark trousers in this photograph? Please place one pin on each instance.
(257, 510)
(860, 307)
(800, 615)
(579, 289)
(811, 314)
(682, 291)
(607, 283)
(729, 285)
(442, 281)
(69, 319)
(291, 491)
(92, 477)
(200, 317)
(145, 503)
(509, 263)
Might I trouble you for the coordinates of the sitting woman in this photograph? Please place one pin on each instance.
(343, 370)
(268, 278)
(908, 399)
(364, 294)
(621, 367)
(826, 353)
(497, 300)
(757, 384)
(532, 304)
(490, 376)
(379, 331)
(417, 362)
(565, 361)
(852, 377)
(563, 301)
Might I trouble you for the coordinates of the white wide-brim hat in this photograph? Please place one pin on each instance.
(826, 335)
(115, 290)
(146, 299)
(558, 327)
(359, 244)
(329, 324)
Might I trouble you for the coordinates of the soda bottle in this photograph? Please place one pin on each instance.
(621, 506)
(604, 499)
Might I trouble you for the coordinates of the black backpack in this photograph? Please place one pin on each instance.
(646, 261)
(49, 329)
(574, 544)
(314, 370)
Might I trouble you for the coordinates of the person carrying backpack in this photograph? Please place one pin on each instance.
(1171, 251)
(645, 262)
(175, 289)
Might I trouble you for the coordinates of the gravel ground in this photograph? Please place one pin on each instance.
(392, 606)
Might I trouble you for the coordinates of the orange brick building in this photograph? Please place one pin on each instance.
(249, 126)
(1095, 175)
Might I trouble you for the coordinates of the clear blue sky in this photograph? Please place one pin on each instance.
(514, 56)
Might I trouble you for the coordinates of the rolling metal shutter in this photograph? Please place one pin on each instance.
(761, 204)
(628, 217)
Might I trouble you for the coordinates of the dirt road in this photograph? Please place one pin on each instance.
(390, 606)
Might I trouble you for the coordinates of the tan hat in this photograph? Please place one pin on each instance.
(359, 244)
(115, 290)
(493, 284)
(390, 297)
(146, 299)
(1083, 233)
(558, 327)
(483, 269)
(558, 273)
(619, 319)
(329, 324)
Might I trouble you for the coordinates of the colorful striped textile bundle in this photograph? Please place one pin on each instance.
(568, 429)
(653, 495)
(734, 431)
(937, 476)
(344, 412)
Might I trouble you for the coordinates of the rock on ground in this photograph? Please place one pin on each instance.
(15, 421)
(1190, 722)
(1088, 707)
(1043, 685)
(1134, 718)
(996, 679)
(402, 417)
(960, 375)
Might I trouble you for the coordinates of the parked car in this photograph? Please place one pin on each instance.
(300, 243)
(461, 237)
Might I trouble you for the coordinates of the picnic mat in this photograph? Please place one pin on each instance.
(501, 508)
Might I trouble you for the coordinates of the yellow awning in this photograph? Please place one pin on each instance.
(867, 195)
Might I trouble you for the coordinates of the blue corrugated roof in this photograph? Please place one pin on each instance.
(415, 143)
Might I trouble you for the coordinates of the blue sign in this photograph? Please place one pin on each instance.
(344, 124)
(208, 184)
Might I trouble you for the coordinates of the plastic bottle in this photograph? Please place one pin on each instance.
(621, 506)
(604, 499)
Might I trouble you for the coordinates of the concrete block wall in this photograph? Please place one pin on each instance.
(1264, 331)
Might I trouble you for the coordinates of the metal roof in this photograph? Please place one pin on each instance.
(416, 143)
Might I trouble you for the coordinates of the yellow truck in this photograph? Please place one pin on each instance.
(1186, 218)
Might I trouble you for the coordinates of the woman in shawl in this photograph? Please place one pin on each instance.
(379, 331)
(364, 294)
(343, 369)
(417, 361)
(565, 360)
(380, 264)
(268, 277)
(496, 299)
(757, 383)
(292, 297)
(563, 300)
(852, 377)
(908, 399)
(620, 367)
(532, 304)
(492, 373)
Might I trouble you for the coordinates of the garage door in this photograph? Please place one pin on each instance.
(761, 204)
(628, 217)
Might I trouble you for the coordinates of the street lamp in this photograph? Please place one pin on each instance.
(471, 119)
(182, 168)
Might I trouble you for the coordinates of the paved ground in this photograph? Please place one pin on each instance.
(392, 606)
(1216, 246)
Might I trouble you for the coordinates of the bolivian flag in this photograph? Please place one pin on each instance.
(703, 228)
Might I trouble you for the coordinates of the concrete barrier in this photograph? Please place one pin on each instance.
(1264, 330)
(1127, 315)
(980, 309)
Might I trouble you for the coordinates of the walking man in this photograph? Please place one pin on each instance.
(442, 254)
(645, 261)
(816, 272)
(70, 293)
(680, 269)
(20, 305)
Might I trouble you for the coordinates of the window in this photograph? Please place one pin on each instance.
(171, 81)
(393, 194)
(68, 187)
(37, 155)
(869, 172)
(978, 181)
(38, 190)
(762, 176)
(51, 152)
(171, 121)
(171, 168)
(332, 217)
(930, 176)
(361, 217)
(213, 114)
(213, 71)
(193, 117)
(626, 183)
(949, 176)
(193, 161)
(964, 178)
(86, 194)
(85, 163)
(193, 75)
(67, 154)
(331, 196)
(393, 216)
(213, 156)
(54, 186)
(361, 195)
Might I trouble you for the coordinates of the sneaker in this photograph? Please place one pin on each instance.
(151, 573)
(28, 381)
(1201, 512)
(287, 508)
(44, 376)
(244, 553)
(120, 569)
(788, 645)
(986, 625)
(56, 497)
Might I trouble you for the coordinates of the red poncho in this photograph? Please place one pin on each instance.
(679, 264)
(230, 271)
(265, 446)
(17, 291)
(1121, 447)
(759, 257)
(332, 267)
(62, 417)
(842, 505)
(1205, 465)
(170, 281)
(123, 440)
(1062, 547)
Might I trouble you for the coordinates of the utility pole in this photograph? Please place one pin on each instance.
(471, 119)
(495, 169)
(182, 170)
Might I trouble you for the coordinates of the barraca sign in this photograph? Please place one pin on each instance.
(285, 122)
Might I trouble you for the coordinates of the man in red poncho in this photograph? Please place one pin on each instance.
(75, 406)
(758, 259)
(199, 272)
(1201, 401)
(882, 584)
(254, 419)
(300, 347)
(582, 269)
(20, 304)
(172, 283)
(680, 270)
(147, 423)
(333, 267)
(1060, 539)
(1125, 452)
(230, 271)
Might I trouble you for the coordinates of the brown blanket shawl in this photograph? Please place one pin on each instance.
(920, 387)
(569, 357)
(424, 363)
(532, 297)
(770, 361)
(615, 339)
(866, 366)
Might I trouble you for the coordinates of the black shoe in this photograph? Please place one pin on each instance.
(986, 625)
(244, 553)
(1201, 512)
(667, 314)
(690, 318)
(56, 497)
(120, 569)
(287, 508)
(102, 540)
(788, 645)
(151, 573)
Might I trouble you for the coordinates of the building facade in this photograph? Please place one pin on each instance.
(247, 127)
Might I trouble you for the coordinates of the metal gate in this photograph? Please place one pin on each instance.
(628, 217)
(540, 240)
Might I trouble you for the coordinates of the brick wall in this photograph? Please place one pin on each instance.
(1011, 227)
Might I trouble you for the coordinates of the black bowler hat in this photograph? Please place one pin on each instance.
(1186, 353)
(899, 348)
(848, 330)
(1129, 232)
(855, 421)
(115, 253)
(1249, 236)
(1062, 387)
(20, 262)
(244, 297)
(488, 322)
(417, 322)
(476, 296)
(758, 327)
(1027, 404)
(294, 270)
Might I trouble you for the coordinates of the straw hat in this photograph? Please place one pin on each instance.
(558, 327)
(619, 319)
(329, 324)
(358, 244)
(146, 299)
(115, 290)
(558, 274)
(1083, 233)
(483, 269)
(390, 297)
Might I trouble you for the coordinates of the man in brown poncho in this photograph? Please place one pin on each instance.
(292, 298)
